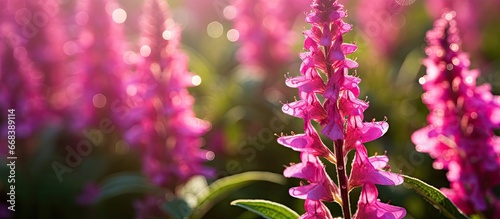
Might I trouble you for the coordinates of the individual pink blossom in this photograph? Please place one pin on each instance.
(371, 170)
(461, 121)
(340, 115)
(370, 207)
(320, 187)
(265, 35)
(315, 209)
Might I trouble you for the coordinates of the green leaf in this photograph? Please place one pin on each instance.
(176, 208)
(225, 186)
(435, 197)
(125, 183)
(267, 209)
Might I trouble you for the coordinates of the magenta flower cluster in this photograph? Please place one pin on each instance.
(75, 74)
(341, 117)
(168, 132)
(461, 122)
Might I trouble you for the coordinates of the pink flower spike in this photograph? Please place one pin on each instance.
(315, 209)
(370, 170)
(370, 207)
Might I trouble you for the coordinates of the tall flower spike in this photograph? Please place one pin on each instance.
(21, 84)
(101, 66)
(461, 122)
(340, 115)
(468, 17)
(167, 132)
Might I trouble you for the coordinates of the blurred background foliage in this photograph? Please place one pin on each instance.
(242, 104)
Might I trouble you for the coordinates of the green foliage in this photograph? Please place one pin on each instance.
(225, 186)
(434, 197)
(125, 183)
(267, 209)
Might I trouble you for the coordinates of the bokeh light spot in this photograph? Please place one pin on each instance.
(422, 80)
(130, 57)
(233, 35)
(230, 12)
(405, 2)
(121, 147)
(99, 100)
(196, 80)
(215, 29)
(131, 90)
(210, 155)
(145, 50)
(81, 18)
(23, 16)
(70, 48)
(167, 35)
(119, 15)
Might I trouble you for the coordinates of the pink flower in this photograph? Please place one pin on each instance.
(461, 121)
(101, 69)
(371, 170)
(370, 207)
(21, 84)
(165, 128)
(320, 187)
(335, 106)
(315, 209)
(380, 21)
(265, 32)
(309, 142)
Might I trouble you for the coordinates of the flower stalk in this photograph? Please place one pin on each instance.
(340, 116)
(461, 122)
(343, 180)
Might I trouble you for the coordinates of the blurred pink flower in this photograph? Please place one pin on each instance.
(380, 21)
(165, 129)
(468, 17)
(340, 115)
(370, 207)
(90, 194)
(101, 68)
(265, 35)
(21, 88)
(461, 121)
